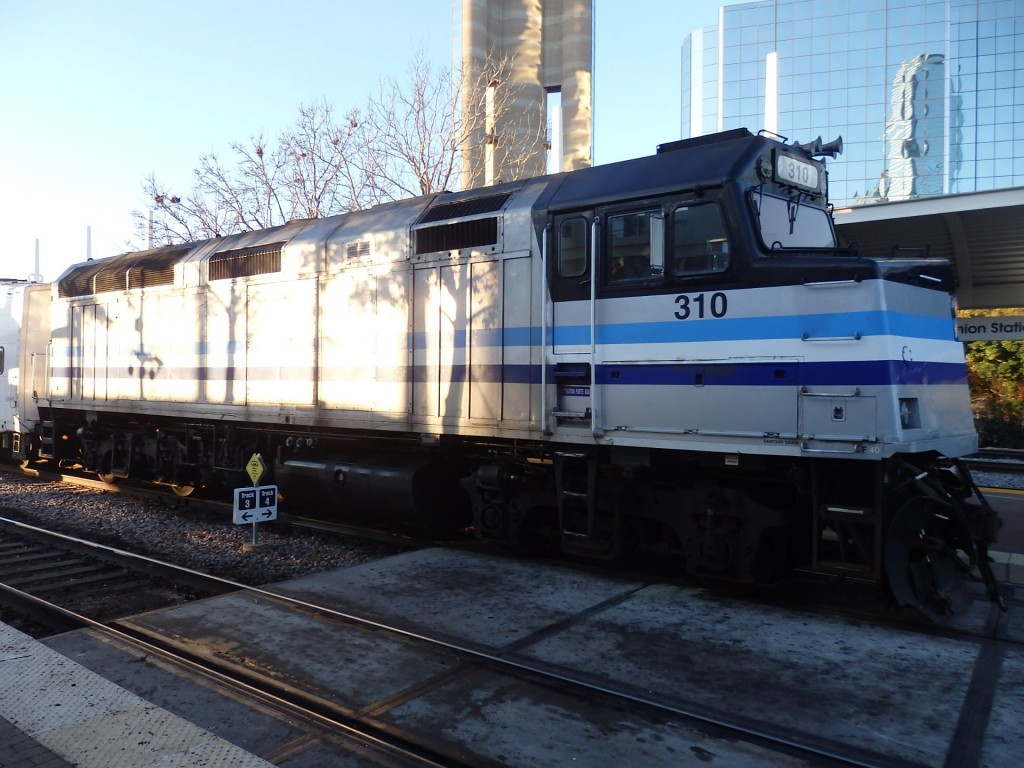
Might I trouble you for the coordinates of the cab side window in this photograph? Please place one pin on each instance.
(572, 247)
(699, 244)
(629, 246)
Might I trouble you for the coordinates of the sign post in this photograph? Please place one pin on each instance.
(257, 504)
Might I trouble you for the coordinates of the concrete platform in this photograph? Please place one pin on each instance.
(56, 713)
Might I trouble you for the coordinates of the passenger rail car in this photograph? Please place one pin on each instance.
(670, 353)
(12, 294)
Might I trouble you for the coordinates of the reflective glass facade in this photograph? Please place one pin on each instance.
(928, 95)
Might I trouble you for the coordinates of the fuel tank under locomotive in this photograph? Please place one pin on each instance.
(413, 489)
(407, 487)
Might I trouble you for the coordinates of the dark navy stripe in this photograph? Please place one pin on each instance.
(848, 373)
(485, 374)
(784, 374)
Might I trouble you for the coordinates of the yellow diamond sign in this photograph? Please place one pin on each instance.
(255, 468)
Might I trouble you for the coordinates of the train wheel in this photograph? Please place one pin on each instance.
(183, 491)
(922, 568)
(106, 477)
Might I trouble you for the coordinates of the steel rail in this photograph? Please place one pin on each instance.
(793, 744)
(292, 705)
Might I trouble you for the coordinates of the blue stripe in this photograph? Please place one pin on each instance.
(842, 324)
(669, 331)
(830, 325)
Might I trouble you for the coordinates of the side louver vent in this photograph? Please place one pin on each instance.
(460, 224)
(246, 262)
(147, 269)
(460, 208)
(452, 237)
(357, 249)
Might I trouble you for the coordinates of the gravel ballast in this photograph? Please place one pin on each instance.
(179, 536)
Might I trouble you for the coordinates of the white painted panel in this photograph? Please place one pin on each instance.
(280, 340)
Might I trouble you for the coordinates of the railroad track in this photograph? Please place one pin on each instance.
(997, 460)
(40, 568)
(462, 670)
(341, 720)
(69, 583)
(66, 583)
(113, 572)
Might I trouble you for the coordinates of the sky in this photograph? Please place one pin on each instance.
(96, 96)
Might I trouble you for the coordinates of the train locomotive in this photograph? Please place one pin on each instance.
(671, 354)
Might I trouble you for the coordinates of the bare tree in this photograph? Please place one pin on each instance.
(422, 130)
(312, 170)
(409, 141)
(414, 132)
(172, 219)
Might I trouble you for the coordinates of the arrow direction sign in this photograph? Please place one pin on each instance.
(255, 505)
(267, 502)
(245, 505)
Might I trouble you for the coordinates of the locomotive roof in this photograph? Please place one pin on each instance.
(700, 162)
(704, 161)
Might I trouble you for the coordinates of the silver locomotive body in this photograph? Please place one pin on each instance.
(670, 352)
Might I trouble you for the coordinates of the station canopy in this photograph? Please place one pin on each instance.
(981, 232)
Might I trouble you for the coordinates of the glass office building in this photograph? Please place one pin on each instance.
(928, 95)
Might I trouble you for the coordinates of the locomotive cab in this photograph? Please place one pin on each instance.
(723, 380)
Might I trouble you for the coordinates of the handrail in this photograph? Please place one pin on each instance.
(807, 337)
(856, 449)
(595, 430)
(544, 294)
(805, 393)
(830, 283)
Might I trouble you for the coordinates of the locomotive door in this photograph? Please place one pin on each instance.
(571, 255)
(34, 384)
(89, 352)
(459, 313)
(605, 266)
(627, 305)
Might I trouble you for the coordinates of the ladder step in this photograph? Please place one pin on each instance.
(46, 439)
(577, 509)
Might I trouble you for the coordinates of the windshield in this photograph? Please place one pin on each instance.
(789, 224)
